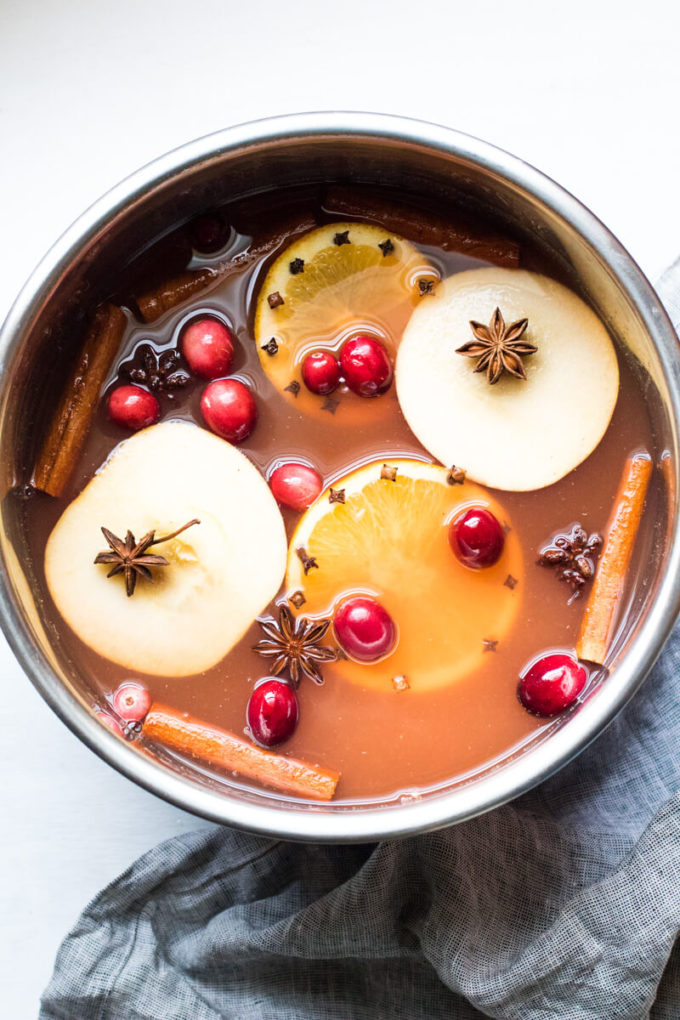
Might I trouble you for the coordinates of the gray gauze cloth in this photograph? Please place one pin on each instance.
(564, 904)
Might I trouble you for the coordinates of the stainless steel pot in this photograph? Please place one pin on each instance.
(420, 158)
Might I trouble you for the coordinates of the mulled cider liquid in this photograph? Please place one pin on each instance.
(384, 743)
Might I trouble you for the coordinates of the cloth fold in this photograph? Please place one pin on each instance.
(564, 905)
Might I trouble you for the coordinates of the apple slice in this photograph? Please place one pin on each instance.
(221, 573)
(516, 434)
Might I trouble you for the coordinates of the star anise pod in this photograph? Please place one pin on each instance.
(573, 555)
(498, 347)
(158, 372)
(130, 557)
(294, 644)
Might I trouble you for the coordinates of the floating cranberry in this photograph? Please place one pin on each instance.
(110, 723)
(366, 366)
(131, 701)
(552, 684)
(365, 629)
(295, 485)
(321, 372)
(208, 347)
(229, 409)
(272, 712)
(131, 407)
(209, 233)
(476, 537)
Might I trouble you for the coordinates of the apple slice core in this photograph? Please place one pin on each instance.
(516, 434)
(221, 573)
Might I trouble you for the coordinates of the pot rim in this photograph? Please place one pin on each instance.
(345, 823)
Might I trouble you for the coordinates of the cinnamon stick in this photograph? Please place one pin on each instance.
(73, 416)
(422, 227)
(218, 747)
(172, 292)
(600, 612)
(668, 472)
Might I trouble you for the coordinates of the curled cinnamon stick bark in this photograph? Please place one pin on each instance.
(668, 471)
(73, 416)
(172, 292)
(210, 744)
(422, 227)
(600, 612)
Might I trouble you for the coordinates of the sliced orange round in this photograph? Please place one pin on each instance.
(330, 284)
(383, 530)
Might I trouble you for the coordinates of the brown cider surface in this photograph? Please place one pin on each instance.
(381, 743)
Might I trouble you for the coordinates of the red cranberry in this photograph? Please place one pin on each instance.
(366, 366)
(131, 407)
(295, 485)
(208, 346)
(209, 233)
(229, 409)
(132, 701)
(476, 537)
(365, 629)
(272, 712)
(321, 372)
(552, 684)
(110, 723)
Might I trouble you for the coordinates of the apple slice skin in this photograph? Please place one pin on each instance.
(516, 435)
(222, 573)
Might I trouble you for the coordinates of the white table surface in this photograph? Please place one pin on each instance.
(586, 91)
